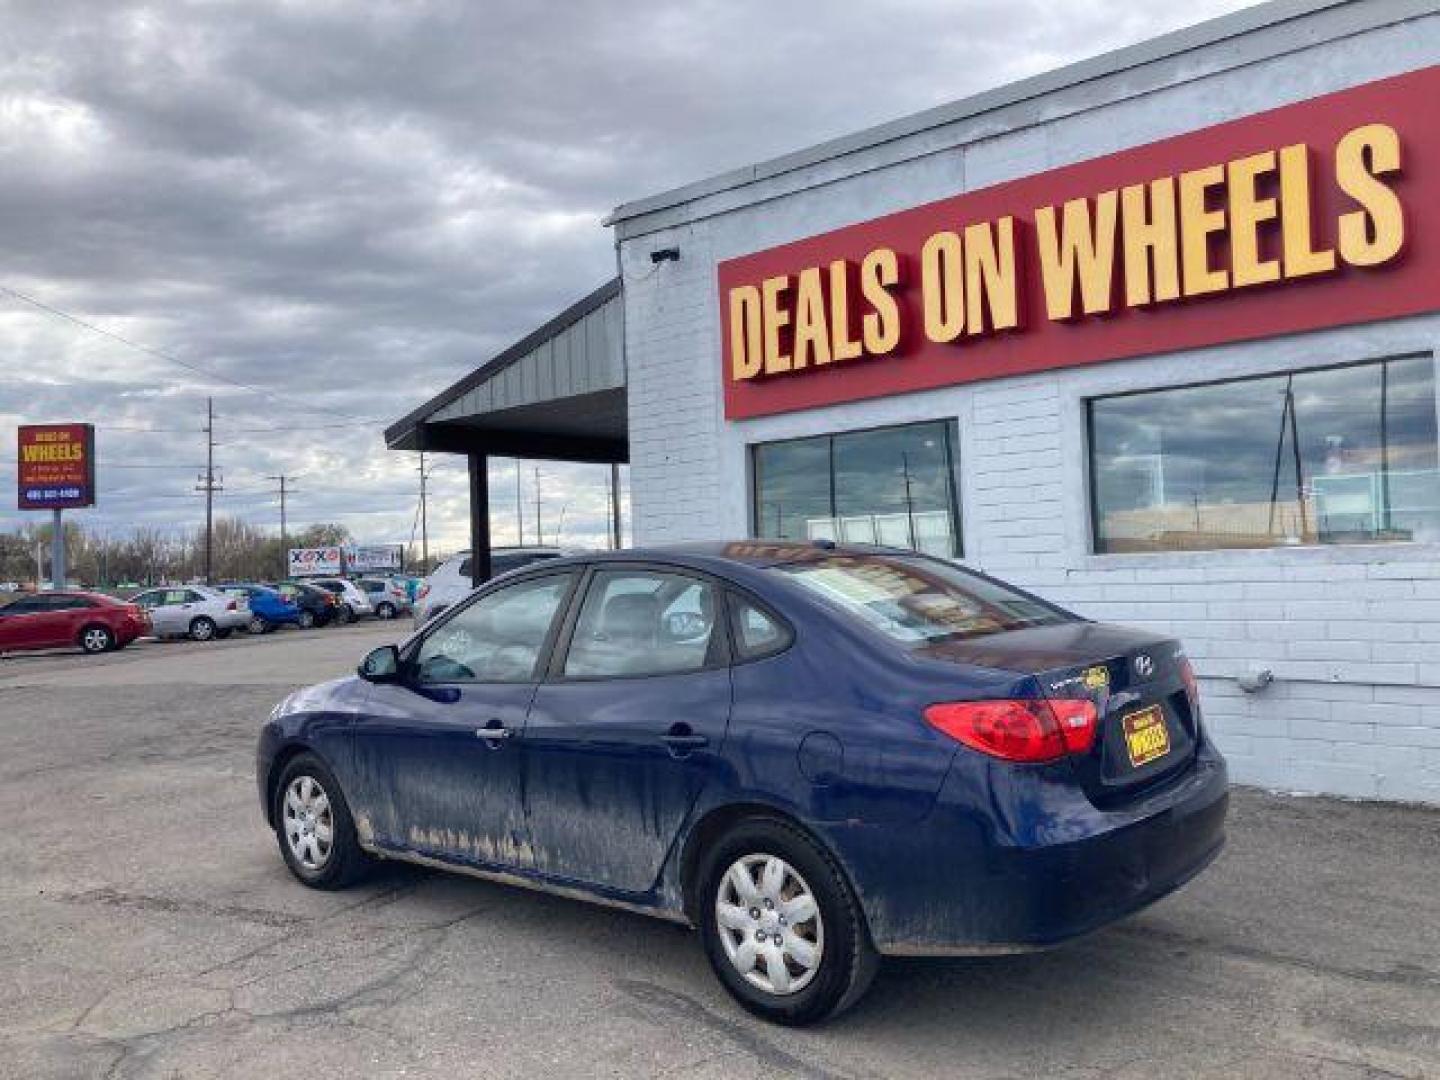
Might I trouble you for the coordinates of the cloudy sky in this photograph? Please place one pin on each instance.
(346, 206)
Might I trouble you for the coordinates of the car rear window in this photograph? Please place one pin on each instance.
(914, 599)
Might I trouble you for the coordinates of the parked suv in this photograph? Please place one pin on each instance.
(194, 611)
(388, 596)
(451, 582)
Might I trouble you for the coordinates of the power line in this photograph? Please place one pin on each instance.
(157, 353)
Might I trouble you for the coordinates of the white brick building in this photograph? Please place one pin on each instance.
(1346, 620)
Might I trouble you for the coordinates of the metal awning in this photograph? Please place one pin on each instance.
(558, 394)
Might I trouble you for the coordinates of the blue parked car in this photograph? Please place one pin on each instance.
(815, 755)
(268, 609)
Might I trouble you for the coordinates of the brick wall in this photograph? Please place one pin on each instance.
(1351, 633)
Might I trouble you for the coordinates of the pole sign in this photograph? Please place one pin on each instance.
(56, 466)
(1318, 214)
(314, 562)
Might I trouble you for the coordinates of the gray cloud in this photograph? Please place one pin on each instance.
(354, 204)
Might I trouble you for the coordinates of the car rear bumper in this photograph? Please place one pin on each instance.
(959, 886)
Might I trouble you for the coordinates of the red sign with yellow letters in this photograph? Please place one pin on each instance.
(1313, 215)
(57, 466)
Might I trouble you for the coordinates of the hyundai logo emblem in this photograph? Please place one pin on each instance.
(1144, 666)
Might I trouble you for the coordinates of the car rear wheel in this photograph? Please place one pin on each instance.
(202, 628)
(345, 615)
(781, 927)
(307, 620)
(385, 611)
(314, 828)
(97, 639)
(257, 625)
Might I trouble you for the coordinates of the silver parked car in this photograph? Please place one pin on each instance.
(194, 611)
(354, 601)
(388, 597)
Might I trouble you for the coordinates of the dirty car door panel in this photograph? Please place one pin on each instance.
(629, 729)
(436, 764)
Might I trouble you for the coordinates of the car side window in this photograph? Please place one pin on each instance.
(498, 638)
(174, 596)
(757, 633)
(643, 622)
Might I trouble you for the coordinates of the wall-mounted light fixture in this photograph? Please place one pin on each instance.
(670, 254)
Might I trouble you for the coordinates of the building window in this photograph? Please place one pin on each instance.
(1327, 456)
(893, 486)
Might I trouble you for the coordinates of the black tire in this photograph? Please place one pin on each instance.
(345, 615)
(96, 638)
(307, 619)
(202, 628)
(346, 863)
(257, 625)
(848, 959)
(385, 611)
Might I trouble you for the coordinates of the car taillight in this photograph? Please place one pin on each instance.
(1021, 729)
(330, 599)
(424, 591)
(1192, 687)
(231, 606)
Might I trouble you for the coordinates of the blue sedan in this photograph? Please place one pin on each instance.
(268, 609)
(815, 755)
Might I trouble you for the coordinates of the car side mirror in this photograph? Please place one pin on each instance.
(381, 665)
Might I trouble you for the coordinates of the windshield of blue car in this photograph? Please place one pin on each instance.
(916, 599)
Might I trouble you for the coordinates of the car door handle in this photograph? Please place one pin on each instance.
(493, 734)
(682, 742)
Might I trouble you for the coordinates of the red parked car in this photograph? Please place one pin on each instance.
(53, 620)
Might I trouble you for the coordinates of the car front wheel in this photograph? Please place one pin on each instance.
(314, 827)
(781, 927)
(307, 620)
(385, 611)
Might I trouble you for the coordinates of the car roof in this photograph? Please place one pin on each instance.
(721, 556)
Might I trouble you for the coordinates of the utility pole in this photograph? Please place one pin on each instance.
(282, 479)
(424, 523)
(519, 509)
(909, 502)
(539, 535)
(614, 506)
(209, 487)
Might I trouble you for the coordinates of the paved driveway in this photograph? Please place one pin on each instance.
(147, 928)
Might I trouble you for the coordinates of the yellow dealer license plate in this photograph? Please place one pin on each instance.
(1146, 737)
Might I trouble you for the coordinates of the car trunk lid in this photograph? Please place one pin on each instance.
(1147, 724)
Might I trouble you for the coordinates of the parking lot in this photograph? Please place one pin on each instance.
(149, 929)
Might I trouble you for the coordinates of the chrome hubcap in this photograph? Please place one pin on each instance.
(770, 924)
(309, 824)
(94, 640)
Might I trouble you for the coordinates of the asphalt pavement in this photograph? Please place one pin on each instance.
(149, 929)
